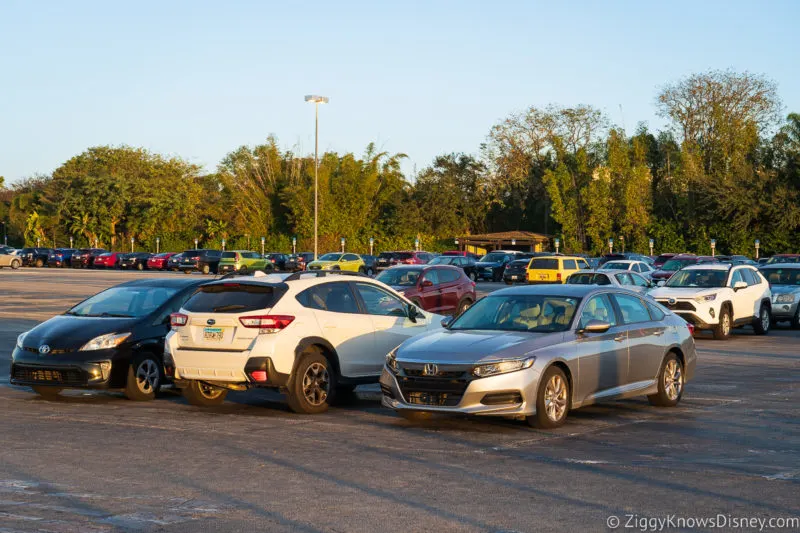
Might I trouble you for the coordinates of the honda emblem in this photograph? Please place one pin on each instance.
(430, 369)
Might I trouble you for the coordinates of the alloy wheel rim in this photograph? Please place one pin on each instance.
(555, 398)
(673, 380)
(726, 324)
(316, 384)
(147, 376)
(764, 319)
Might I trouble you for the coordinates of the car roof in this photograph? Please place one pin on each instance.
(559, 256)
(713, 266)
(626, 261)
(173, 282)
(778, 265)
(573, 291)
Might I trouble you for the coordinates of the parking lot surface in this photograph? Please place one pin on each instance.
(96, 462)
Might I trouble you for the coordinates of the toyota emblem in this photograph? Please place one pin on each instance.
(44, 349)
(430, 369)
(211, 322)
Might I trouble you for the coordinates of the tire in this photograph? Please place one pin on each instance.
(361, 270)
(242, 270)
(39, 263)
(187, 271)
(202, 395)
(670, 383)
(139, 267)
(145, 376)
(553, 413)
(370, 272)
(48, 393)
(463, 305)
(313, 385)
(723, 329)
(15, 264)
(497, 277)
(473, 276)
(795, 323)
(762, 323)
(415, 416)
(205, 270)
(508, 282)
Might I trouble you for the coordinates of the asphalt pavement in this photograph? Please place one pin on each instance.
(95, 462)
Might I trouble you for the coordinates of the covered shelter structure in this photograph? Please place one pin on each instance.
(524, 241)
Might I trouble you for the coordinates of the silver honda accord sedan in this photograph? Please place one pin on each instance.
(535, 352)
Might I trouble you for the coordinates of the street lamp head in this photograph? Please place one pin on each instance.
(316, 99)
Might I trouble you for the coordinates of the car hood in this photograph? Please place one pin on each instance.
(683, 292)
(784, 289)
(323, 263)
(65, 332)
(448, 346)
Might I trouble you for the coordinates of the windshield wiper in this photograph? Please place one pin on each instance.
(224, 308)
(107, 315)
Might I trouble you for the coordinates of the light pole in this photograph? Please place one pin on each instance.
(713, 247)
(70, 242)
(158, 242)
(223, 245)
(263, 240)
(316, 100)
(758, 245)
(132, 241)
(557, 243)
(371, 245)
(294, 245)
(195, 243)
(611, 246)
(652, 242)
(342, 244)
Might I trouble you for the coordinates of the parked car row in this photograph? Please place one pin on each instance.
(316, 335)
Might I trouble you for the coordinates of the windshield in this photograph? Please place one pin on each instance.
(442, 260)
(519, 312)
(704, 279)
(782, 276)
(124, 302)
(785, 259)
(330, 257)
(493, 258)
(400, 277)
(677, 264)
(616, 265)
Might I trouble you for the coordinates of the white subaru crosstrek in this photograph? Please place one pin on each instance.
(719, 297)
(310, 335)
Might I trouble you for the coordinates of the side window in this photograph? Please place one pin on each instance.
(351, 257)
(598, 308)
(633, 309)
(459, 261)
(655, 313)
(583, 264)
(333, 297)
(379, 302)
(747, 275)
(448, 276)
(624, 278)
(639, 281)
(637, 267)
(736, 277)
(569, 264)
(432, 275)
(602, 279)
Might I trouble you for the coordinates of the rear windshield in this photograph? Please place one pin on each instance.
(386, 255)
(403, 255)
(677, 264)
(232, 298)
(229, 255)
(544, 264)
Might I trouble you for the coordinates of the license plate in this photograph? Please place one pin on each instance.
(543, 276)
(514, 277)
(212, 334)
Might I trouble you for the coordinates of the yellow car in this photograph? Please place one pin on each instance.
(555, 268)
(349, 262)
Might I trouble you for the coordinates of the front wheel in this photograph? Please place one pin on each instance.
(723, 329)
(552, 400)
(762, 323)
(139, 267)
(48, 393)
(670, 383)
(206, 269)
(39, 263)
(795, 320)
(187, 271)
(313, 384)
(204, 395)
(144, 378)
(15, 264)
(508, 282)
(370, 272)
(473, 276)
(242, 270)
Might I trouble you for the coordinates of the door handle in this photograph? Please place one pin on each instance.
(658, 333)
(620, 338)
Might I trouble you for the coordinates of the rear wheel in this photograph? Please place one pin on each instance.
(313, 384)
(473, 276)
(670, 383)
(723, 329)
(39, 263)
(187, 271)
(508, 281)
(463, 305)
(762, 323)
(361, 270)
(15, 264)
(204, 395)
(139, 266)
(552, 400)
(205, 269)
(48, 393)
(144, 378)
(795, 320)
(242, 270)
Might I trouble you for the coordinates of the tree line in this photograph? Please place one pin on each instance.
(727, 167)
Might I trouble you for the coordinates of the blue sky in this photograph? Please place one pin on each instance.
(198, 79)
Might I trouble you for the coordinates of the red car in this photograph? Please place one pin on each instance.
(107, 260)
(677, 262)
(440, 289)
(159, 261)
(661, 259)
(462, 253)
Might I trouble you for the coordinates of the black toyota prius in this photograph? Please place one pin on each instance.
(113, 340)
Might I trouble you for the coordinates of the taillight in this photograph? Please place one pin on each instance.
(558, 276)
(267, 323)
(178, 319)
(690, 327)
(409, 262)
(259, 375)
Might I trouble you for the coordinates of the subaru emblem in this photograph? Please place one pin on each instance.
(671, 301)
(211, 322)
(430, 369)
(44, 349)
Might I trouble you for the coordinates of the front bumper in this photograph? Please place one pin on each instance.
(784, 311)
(516, 392)
(79, 370)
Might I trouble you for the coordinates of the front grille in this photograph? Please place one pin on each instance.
(414, 372)
(678, 306)
(432, 390)
(61, 376)
(502, 398)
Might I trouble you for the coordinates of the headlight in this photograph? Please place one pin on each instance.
(104, 342)
(502, 367)
(784, 299)
(707, 298)
(20, 339)
(391, 361)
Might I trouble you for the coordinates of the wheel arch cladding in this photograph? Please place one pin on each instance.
(325, 348)
(678, 353)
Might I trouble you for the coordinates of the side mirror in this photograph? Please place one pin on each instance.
(739, 285)
(596, 326)
(427, 283)
(446, 321)
(412, 312)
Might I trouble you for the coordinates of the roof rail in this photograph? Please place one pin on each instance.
(323, 273)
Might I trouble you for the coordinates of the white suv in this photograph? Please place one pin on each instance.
(718, 297)
(310, 335)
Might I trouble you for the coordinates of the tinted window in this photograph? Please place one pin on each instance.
(782, 276)
(624, 279)
(386, 255)
(448, 276)
(232, 298)
(598, 308)
(330, 257)
(582, 264)
(494, 258)
(639, 281)
(403, 277)
(632, 308)
(655, 312)
(736, 277)
(229, 255)
(519, 312)
(403, 255)
(433, 276)
(332, 297)
(747, 275)
(131, 301)
(544, 264)
(380, 302)
(706, 279)
(351, 257)
(445, 260)
(569, 264)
